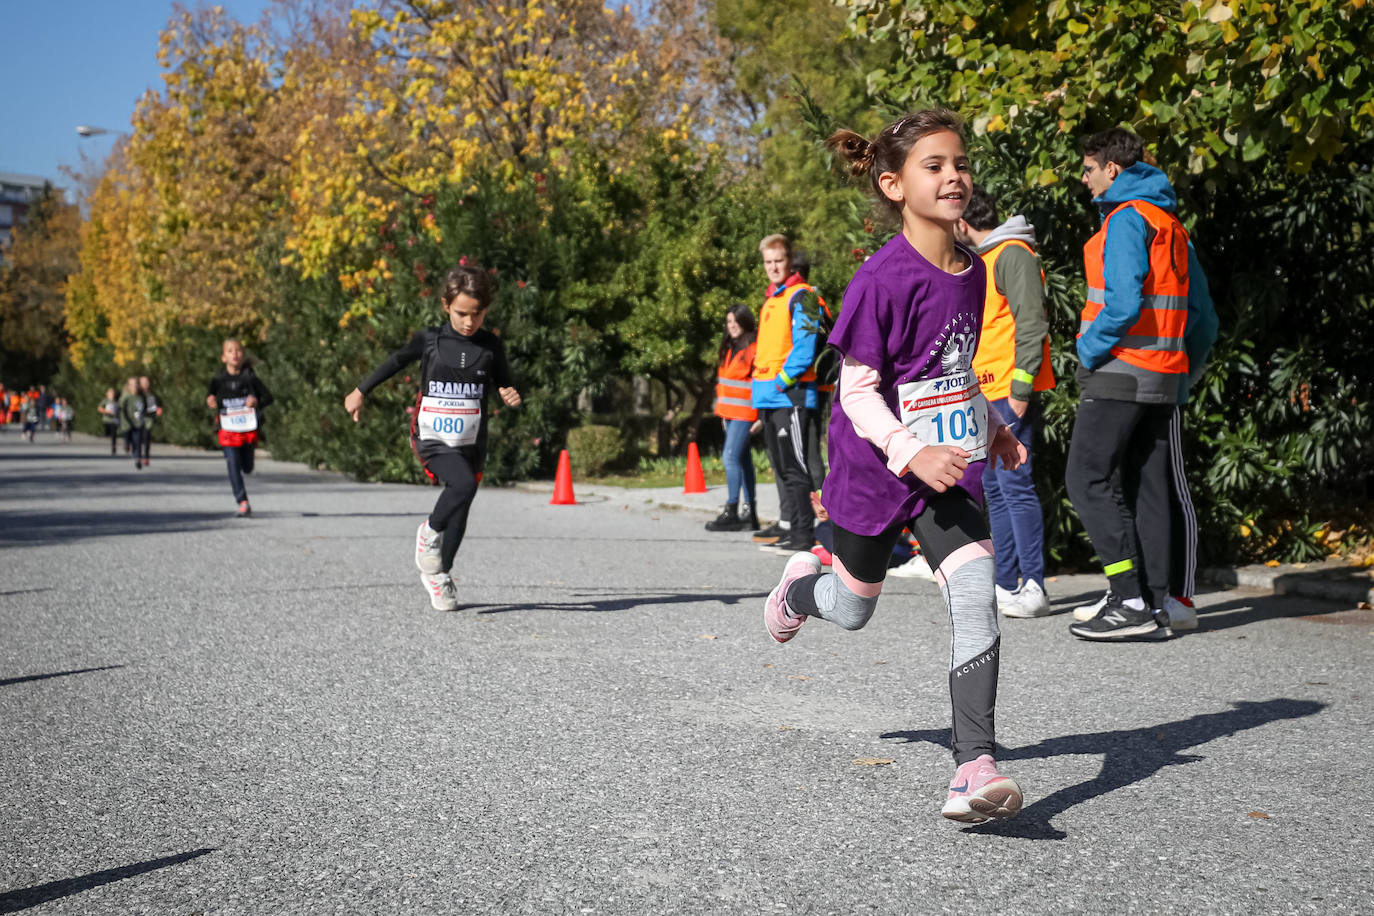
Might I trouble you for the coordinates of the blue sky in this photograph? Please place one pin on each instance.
(70, 62)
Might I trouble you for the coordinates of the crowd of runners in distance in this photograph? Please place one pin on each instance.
(37, 409)
(926, 380)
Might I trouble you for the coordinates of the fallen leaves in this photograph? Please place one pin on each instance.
(799, 677)
(709, 636)
(1259, 815)
(873, 761)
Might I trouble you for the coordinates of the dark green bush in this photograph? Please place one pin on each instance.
(595, 448)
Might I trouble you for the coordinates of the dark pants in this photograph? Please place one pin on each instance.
(450, 514)
(1182, 518)
(134, 438)
(786, 433)
(1018, 526)
(147, 443)
(1118, 480)
(112, 430)
(239, 460)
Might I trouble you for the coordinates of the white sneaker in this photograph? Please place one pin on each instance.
(427, 542)
(1181, 617)
(443, 596)
(1031, 601)
(1089, 611)
(915, 568)
(1005, 600)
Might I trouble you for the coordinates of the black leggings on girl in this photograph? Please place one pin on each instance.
(955, 541)
(450, 513)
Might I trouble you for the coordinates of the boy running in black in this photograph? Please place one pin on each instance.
(460, 363)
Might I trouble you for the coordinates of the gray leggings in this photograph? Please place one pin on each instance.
(949, 523)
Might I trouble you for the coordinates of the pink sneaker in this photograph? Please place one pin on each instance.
(826, 558)
(978, 792)
(781, 625)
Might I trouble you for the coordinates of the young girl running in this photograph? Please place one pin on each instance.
(239, 396)
(910, 435)
(460, 363)
(109, 413)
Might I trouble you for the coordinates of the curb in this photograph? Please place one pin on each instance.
(1333, 581)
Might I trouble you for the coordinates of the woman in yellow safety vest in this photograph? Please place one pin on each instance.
(734, 370)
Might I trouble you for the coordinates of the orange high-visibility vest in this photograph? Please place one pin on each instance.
(1155, 342)
(775, 334)
(995, 361)
(732, 385)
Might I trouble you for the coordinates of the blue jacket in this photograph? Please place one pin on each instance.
(1126, 258)
(775, 392)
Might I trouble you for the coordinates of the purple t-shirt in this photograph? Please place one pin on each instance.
(909, 320)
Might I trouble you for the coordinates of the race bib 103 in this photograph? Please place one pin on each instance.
(238, 419)
(949, 410)
(452, 421)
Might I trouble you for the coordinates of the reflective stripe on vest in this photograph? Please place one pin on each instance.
(733, 393)
(995, 361)
(775, 335)
(1154, 344)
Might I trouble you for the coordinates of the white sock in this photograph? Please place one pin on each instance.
(1135, 604)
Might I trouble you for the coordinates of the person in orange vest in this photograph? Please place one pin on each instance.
(1012, 363)
(734, 406)
(784, 390)
(1134, 365)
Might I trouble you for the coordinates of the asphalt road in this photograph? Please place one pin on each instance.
(204, 714)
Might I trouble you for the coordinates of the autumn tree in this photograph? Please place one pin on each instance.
(33, 279)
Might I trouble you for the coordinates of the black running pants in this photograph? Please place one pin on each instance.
(450, 514)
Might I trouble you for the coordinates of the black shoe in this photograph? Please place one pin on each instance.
(773, 533)
(749, 515)
(728, 520)
(1116, 621)
(791, 544)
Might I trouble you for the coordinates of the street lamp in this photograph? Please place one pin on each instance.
(86, 130)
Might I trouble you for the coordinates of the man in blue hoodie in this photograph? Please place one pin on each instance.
(784, 389)
(1142, 328)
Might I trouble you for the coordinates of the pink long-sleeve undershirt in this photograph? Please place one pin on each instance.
(872, 419)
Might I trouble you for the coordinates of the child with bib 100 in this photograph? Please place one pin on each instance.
(910, 435)
(460, 365)
(238, 396)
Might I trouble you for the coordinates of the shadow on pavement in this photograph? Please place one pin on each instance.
(59, 453)
(13, 901)
(1246, 610)
(5, 682)
(65, 527)
(622, 603)
(1129, 756)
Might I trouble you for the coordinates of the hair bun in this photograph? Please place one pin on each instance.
(854, 148)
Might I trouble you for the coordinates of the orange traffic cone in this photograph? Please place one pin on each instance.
(562, 482)
(694, 481)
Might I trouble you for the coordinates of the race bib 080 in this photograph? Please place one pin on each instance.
(452, 421)
(238, 419)
(949, 410)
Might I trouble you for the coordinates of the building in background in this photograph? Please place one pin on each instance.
(17, 194)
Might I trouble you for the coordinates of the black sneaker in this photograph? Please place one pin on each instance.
(772, 534)
(1116, 621)
(728, 520)
(789, 544)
